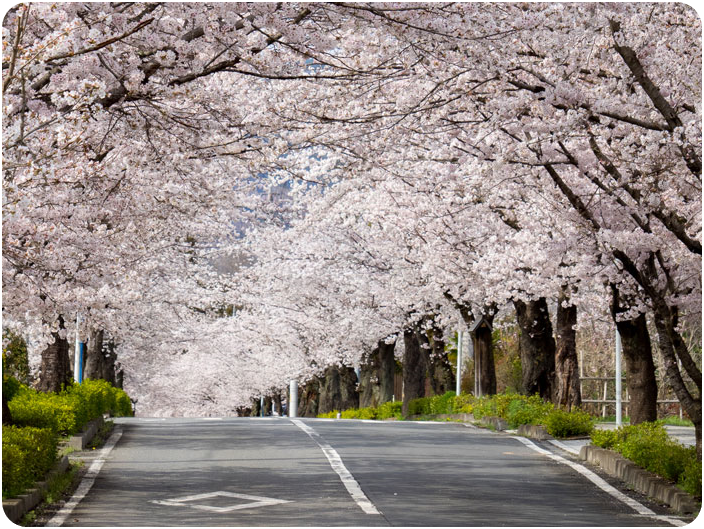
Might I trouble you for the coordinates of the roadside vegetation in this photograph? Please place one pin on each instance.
(649, 446)
(40, 421)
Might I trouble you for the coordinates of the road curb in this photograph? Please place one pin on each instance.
(534, 431)
(639, 479)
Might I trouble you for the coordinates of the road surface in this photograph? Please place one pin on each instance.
(315, 472)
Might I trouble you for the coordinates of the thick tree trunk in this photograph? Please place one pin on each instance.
(673, 348)
(55, 368)
(308, 398)
(567, 391)
(442, 379)
(484, 365)
(277, 404)
(338, 390)
(6, 414)
(640, 368)
(93, 367)
(376, 384)
(537, 347)
(413, 369)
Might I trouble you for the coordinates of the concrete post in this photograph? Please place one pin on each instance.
(459, 363)
(293, 399)
(78, 354)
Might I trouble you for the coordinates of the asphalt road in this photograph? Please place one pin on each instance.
(272, 472)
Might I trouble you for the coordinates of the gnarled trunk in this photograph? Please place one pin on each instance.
(376, 384)
(442, 379)
(338, 390)
(308, 398)
(413, 369)
(55, 368)
(537, 347)
(484, 365)
(567, 391)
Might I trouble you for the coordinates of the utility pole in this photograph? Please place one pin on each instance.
(293, 399)
(618, 379)
(459, 363)
(78, 353)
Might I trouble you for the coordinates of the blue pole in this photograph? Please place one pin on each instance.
(81, 348)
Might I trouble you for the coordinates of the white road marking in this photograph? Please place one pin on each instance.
(339, 467)
(602, 484)
(86, 483)
(255, 501)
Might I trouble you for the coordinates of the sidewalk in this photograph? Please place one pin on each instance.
(681, 434)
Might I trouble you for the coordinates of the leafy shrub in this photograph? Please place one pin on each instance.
(359, 413)
(442, 404)
(419, 406)
(531, 410)
(560, 423)
(329, 415)
(463, 403)
(691, 479)
(68, 411)
(27, 454)
(649, 446)
(389, 410)
(605, 438)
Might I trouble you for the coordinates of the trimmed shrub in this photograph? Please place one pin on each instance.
(691, 479)
(27, 455)
(68, 412)
(649, 446)
(329, 415)
(358, 413)
(390, 410)
(560, 423)
(531, 410)
(463, 403)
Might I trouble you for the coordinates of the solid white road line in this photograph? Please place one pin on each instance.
(339, 467)
(602, 484)
(86, 483)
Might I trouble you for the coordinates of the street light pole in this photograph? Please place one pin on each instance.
(293, 399)
(618, 379)
(458, 385)
(78, 354)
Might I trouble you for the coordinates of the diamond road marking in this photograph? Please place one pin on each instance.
(255, 501)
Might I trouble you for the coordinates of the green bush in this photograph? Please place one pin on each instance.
(442, 404)
(560, 423)
(68, 412)
(329, 415)
(691, 479)
(359, 413)
(27, 454)
(463, 403)
(649, 446)
(531, 410)
(389, 410)
(419, 406)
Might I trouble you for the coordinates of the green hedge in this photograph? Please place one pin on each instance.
(649, 446)
(67, 412)
(27, 455)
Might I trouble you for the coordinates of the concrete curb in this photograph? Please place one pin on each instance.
(80, 441)
(17, 507)
(639, 479)
(534, 431)
(497, 423)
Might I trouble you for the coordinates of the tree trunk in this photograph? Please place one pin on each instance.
(567, 392)
(338, 390)
(537, 347)
(484, 366)
(442, 379)
(376, 384)
(640, 368)
(6, 413)
(308, 399)
(276, 403)
(93, 362)
(673, 348)
(55, 368)
(413, 369)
